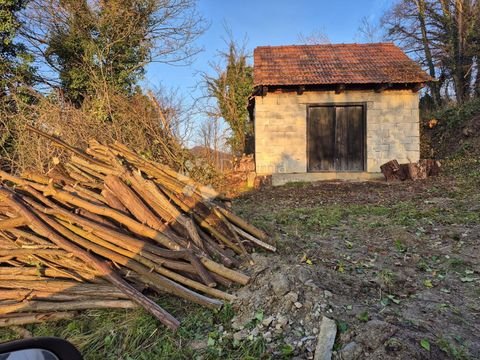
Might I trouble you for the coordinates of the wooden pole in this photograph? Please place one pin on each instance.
(104, 269)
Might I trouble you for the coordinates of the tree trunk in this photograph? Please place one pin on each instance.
(434, 86)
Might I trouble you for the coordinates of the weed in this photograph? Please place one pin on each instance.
(134, 334)
(423, 265)
(342, 326)
(363, 316)
(309, 220)
(296, 184)
(456, 115)
(340, 267)
(457, 264)
(454, 352)
(428, 283)
(401, 247)
(287, 350)
(7, 334)
(425, 344)
(386, 277)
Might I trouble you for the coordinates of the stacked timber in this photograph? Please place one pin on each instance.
(422, 169)
(100, 228)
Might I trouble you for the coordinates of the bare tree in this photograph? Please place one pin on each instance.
(405, 23)
(313, 38)
(110, 41)
(369, 31)
(212, 139)
(443, 36)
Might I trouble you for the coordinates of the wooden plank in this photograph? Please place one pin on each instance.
(321, 141)
(341, 136)
(356, 139)
(349, 140)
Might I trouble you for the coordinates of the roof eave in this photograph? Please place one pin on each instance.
(347, 83)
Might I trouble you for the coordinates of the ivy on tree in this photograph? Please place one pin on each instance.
(15, 69)
(231, 88)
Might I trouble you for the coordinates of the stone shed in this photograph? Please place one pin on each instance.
(334, 111)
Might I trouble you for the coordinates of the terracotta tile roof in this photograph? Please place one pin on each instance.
(335, 64)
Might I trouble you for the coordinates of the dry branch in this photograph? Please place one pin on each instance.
(106, 223)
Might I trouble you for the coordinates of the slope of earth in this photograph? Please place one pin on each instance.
(453, 131)
(396, 265)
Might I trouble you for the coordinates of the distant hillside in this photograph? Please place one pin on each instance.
(221, 160)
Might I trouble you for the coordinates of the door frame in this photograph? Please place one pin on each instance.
(364, 120)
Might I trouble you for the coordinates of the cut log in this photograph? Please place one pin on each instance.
(104, 269)
(34, 318)
(45, 306)
(105, 225)
(393, 171)
(133, 203)
(432, 166)
(417, 171)
(12, 223)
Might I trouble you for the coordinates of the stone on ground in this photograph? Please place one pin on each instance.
(326, 339)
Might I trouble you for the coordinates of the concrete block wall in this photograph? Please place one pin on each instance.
(281, 128)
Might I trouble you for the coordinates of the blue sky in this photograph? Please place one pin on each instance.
(264, 22)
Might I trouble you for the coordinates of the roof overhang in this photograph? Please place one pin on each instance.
(262, 90)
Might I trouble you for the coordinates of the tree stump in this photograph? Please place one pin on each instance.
(432, 166)
(422, 169)
(392, 171)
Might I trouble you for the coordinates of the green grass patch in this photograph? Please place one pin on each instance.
(296, 184)
(454, 351)
(304, 221)
(135, 335)
(321, 219)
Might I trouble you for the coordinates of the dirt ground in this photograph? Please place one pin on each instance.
(397, 266)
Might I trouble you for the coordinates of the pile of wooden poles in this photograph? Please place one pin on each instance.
(100, 228)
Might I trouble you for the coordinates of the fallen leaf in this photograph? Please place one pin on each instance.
(210, 341)
(259, 315)
(428, 284)
(425, 344)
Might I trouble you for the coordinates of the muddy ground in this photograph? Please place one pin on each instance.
(396, 265)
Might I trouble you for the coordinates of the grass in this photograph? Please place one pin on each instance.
(304, 221)
(386, 277)
(456, 352)
(455, 116)
(110, 334)
(135, 335)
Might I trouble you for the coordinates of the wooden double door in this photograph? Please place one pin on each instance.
(336, 138)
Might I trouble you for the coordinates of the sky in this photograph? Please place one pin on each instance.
(258, 23)
(263, 22)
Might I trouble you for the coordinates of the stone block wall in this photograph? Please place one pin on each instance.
(281, 128)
